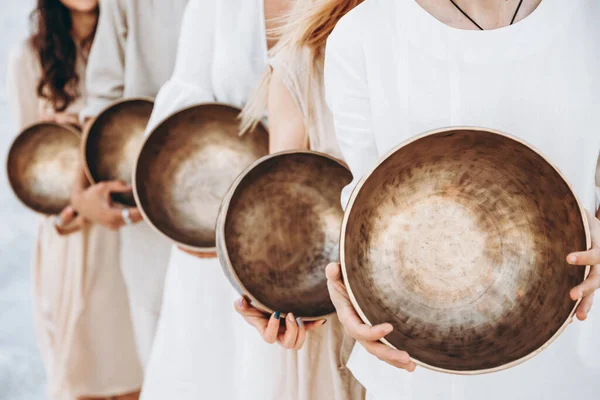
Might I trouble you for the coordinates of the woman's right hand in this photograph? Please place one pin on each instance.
(368, 336)
(95, 204)
(290, 334)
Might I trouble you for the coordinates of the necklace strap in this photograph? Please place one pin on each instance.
(479, 26)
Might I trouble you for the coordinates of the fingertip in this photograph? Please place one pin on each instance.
(572, 259)
(412, 367)
(576, 294)
(240, 303)
(332, 271)
(290, 319)
(385, 329)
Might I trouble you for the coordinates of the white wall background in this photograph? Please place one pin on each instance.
(21, 371)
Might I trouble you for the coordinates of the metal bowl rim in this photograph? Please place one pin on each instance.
(69, 128)
(86, 132)
(390, 153)
(196, 249)
(222, 219)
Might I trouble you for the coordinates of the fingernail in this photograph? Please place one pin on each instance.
(276, 314)
(388, 329)
(240, 303)
(290, 317)
(572, 259)
(300, 322)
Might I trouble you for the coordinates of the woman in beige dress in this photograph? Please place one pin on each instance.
(292, 93)
(80, 311)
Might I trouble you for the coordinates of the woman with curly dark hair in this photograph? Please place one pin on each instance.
(80, 311)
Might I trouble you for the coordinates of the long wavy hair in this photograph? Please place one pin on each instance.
(56, 50)
(307, 27)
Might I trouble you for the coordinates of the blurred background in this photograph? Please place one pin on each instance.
(21, 371)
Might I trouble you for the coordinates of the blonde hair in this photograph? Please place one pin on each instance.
(307, 27)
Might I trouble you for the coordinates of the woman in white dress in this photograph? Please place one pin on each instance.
(81, 318)
(394, 69)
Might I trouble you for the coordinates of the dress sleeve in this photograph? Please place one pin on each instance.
(191, 82)
(105, 75)
(22, 81)
(292, 66)
(346, 91)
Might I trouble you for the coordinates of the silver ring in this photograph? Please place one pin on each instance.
(126, 216)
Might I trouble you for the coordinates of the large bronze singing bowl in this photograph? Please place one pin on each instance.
(458, 239)
(278, 228)
(42, 166)
(113, 141)
(185, 168)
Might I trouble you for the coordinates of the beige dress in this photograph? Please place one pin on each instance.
(328, 348)
(133, 55)
(80, 311)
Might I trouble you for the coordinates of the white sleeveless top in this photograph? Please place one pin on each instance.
(393, 71)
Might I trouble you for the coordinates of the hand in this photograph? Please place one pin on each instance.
(197, 254)
(95, 204)
(585, 291)
(367, 336)
(62, 118)
(68, 221)
(289, 336)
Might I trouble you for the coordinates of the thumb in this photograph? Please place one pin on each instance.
(117, 187)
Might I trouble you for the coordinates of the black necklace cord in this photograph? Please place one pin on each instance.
(512, 21)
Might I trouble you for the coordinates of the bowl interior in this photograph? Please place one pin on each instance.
(282, 228)
(42, 166)
(459, 240)
(186, 166)
(114, 140)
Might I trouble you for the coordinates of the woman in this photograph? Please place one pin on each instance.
(292, 93)
(80, 303)
(133, 56)
(394, 69)
(202, 348)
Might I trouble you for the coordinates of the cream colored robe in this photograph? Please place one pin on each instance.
(133, 55)
(80, 311)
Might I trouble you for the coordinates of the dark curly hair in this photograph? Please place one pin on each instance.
(57, 53)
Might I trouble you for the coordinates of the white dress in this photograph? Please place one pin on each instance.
(133, 55)
(81, 320)
(203, 348)
(393, 71)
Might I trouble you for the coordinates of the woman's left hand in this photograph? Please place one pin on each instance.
(586, 289)
(290, 335)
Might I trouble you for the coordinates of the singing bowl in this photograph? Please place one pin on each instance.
(279, 227)
(458, 238)
(42, 166)
(186, 166)
(111, 144)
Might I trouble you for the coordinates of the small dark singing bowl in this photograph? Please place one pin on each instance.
(42, 166)
(113, 141)
(458, 238)
(186, 166)
(279, 227)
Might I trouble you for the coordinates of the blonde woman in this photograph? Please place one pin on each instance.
(292, 93)
(203, 349)
(80, 311)
(394, 69)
